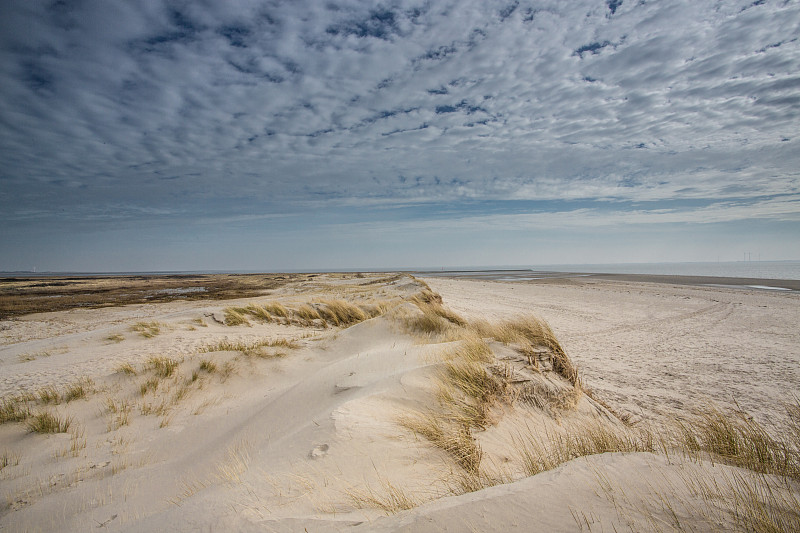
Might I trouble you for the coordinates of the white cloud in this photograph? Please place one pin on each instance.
(297, 101)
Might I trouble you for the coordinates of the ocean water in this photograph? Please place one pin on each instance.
(734, 269)
(789, 270)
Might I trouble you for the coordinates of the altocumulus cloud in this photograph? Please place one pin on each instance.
(614, 112)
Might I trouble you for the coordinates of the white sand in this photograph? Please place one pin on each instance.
(283, 444)
(649, 349)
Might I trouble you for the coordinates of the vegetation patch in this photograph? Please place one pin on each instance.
(208, 366)
(737, 439)
(389, 498)
(253, 349)
(236, 316)
(20, 296)
(147, 329)
(163, 367)
(323, 313)
(8, 459)
(48, 422)
(14, 409)
(78, 390)
(127, 368)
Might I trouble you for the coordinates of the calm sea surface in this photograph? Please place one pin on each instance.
(738, 269)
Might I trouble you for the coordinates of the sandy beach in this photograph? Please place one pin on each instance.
(385, 402)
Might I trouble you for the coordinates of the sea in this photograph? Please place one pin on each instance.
(786, 270)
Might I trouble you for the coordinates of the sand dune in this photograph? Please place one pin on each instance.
(287, 421)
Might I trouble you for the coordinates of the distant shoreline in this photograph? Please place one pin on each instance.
(498, 274)
(749, 270)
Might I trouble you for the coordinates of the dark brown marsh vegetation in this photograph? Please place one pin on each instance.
(21, 296)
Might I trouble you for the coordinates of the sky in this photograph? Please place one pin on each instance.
(306, 135)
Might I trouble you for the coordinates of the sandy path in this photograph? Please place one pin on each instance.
(650, 349)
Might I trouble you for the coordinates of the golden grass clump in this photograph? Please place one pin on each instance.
(236, 316)
(426, 296)
(471, 348)
(208, 366)
(13, 409)
(739, 440)
(323, 313)
(456, 440)
(119, 413)
(253, 349)
(147, 329)
(49, 395)
(478, 389)
(341, 313)
(276, 309)
(435, 319)
(466, 392)
(306, 314)
(163, 367)
(47, 422)
(531, 335)
(539, 451)
(79, 389)
(126, 368)
(470, 384)
(428, 323)
(259, 313)
(391, 499)
(148, 385)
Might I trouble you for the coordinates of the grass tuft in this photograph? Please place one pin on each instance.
(276, 309)
(391, 499)
(208, 366)
(163, 367)
(49, 395)
(739, 440)
(341, 313)
(531, 336)
(259, 313)
(147, 329)
(236, 316)
(253, 349)
(13, 409)
(149, 385)
(79, 389)
(306, 314)
(435, 318)
(456, 440)
(47, 422)
(120, 413)
(323, 313)
(127, 368)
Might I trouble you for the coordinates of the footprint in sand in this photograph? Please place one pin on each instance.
(318, 451)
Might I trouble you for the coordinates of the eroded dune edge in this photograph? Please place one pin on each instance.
(348, 403)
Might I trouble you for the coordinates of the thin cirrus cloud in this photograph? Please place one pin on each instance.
(120, 112)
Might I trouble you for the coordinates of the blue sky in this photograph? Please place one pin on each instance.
(269, 135)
